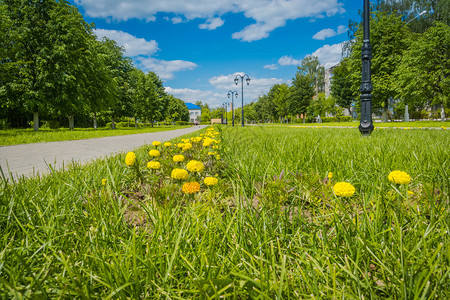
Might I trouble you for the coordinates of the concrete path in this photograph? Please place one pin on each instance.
(33, 159)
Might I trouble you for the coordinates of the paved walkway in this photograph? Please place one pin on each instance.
(33, 159)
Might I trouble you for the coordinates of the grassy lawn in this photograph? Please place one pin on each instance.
(415, 124)
(28, 136)
(272, 227)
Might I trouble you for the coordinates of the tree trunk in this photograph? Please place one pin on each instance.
(135, 123)
(71, 122)
(113, 123)
(95, 121)
(442, 113)
(304, 118)
(36, 120)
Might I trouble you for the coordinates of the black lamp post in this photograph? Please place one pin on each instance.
(232, 94)
(366, 124)
(236, 80)
(225, 107)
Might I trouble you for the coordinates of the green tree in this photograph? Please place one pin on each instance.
(206, 114)
(279, 94)
(423, 74)
(177, 110)
(341, 86)
(310, 66)
(388, 37)
(302, 91)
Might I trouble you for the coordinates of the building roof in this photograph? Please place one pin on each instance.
(192, 106)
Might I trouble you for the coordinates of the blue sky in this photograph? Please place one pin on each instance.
(198, 46)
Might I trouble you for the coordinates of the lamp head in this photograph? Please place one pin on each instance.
(236, 80)
(248, 80)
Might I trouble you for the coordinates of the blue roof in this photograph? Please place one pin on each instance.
(192, 106)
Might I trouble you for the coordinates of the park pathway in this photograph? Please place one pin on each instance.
(33, 159)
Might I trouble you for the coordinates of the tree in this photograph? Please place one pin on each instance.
(341, 86)
(423, 74)
(388, 37)
(52, 44)
(302, 91)
(177, 110)
(206, 114)
(310, 66)
(279, 94)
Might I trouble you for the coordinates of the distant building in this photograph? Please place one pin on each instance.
(195, 112)
(328, 76)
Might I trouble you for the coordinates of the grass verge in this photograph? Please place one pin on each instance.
(28, 136)
(272, 227)
(410, 125)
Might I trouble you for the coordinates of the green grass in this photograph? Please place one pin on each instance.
(415, 124)
(28, 136)
(272, 229)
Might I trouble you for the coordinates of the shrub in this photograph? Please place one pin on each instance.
(345, 119)
(50, 124)
(329, 119)
(181, 123)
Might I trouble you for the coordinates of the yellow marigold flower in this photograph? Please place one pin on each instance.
(167, 144)
(207, 142)
(191, 187)
(104, 181)
(187, 146)
(344, 189)
(330, 175)
(211, 153)
(180, 145)
(155, 165)
(210, 180)
(399, 177)
(156, 143)
(215, 147)
(185, 141)
(154, 153)
(195, 166)
(130, 159)
(180, 174)
(410, 193)
(178, 158)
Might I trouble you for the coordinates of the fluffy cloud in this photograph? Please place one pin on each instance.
(267, 14)
(212, 24)
(141, 50)
(133, 46)
(164, 68)
(329, 55)
(257, 87)
(288, 61)
(271, 67)
(326, 33)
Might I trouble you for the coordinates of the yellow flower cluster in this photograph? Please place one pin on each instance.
(191, 187)
(180, 145)
(104, 181)
(167, 144)
(343, 189)
(156, 143)
(187, 146)
(154, 165)
(330, 175)
(195, 166)
(154, 153)
(210, 180)
(180, 174)
(399, 177)
(196, 139)
(130, 159)
(178, 158)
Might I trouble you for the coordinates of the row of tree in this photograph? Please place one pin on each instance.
(410, 63)
(54, 66)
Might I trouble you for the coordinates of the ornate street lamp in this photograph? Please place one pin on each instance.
(236, 80)
(366, 124)
(232, 94)
(225, 107)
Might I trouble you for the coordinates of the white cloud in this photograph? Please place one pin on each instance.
(164, 68)
(212, 24)
(271, 67)
(288, 61)
(267, 14)
(329, 55)
(133, 46)
(328, 32)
